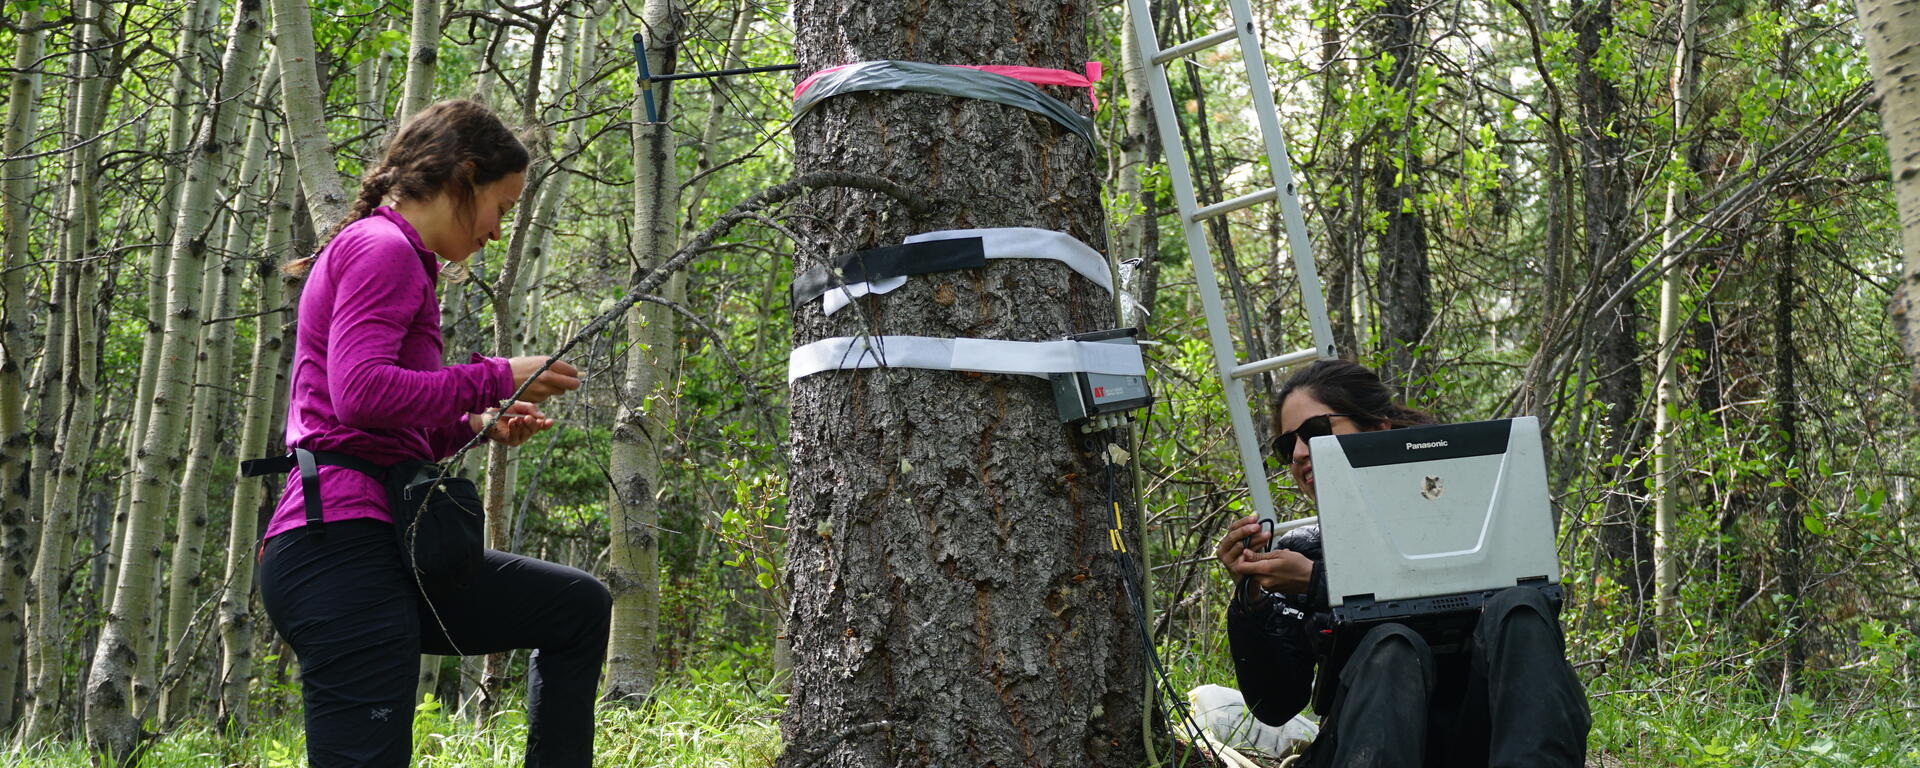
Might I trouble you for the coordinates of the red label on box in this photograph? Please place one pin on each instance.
(1099, 391)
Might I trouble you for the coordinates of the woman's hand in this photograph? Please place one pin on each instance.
(1243, 531)
(522, 421)
(1282, 570)
(560, 378)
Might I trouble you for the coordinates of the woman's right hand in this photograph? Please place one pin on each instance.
(558, 379)
(1234, 544)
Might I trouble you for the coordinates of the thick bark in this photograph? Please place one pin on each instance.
(305, 107)
(1406, 310)
(113, 724)
(1789, 559)
(16, 196)
(954, 598)
(212, 376)
(1613, 338)
(1890, 29)
(633, 572)
(1665, 565)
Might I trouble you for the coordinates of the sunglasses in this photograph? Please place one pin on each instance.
(1317, 426)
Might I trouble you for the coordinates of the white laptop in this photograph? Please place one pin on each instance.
(1422, 525)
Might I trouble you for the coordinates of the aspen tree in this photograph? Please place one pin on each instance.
(1666, 576)
(113, 723)
(1890, 29)
(16, 197)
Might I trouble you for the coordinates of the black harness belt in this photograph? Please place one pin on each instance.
(308, 463)
(891, 261)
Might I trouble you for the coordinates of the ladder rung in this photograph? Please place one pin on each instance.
(1243, 201)
(1191, 46)
(1289, 360)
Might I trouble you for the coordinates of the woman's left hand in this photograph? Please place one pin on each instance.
(1282, 570)
(522, 421)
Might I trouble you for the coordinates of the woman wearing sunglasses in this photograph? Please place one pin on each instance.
(1509, 699)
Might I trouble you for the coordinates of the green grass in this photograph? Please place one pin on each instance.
(725, 714)
(713, 717)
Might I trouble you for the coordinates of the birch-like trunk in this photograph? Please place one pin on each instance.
(305, 107)
(1891, 30)
(78, 353)
(1666, 568)
(633, 550)
(186, 91)
(955, 598)
(211, 376)
(16, 197)
(251, 497)
(1136, 237)
(113, 726)
(423, 58)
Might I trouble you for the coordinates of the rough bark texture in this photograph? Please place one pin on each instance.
(633, 554)
(1613, 337)
(1891, 29)
(1406, 311)
(1786, 404)
(112, 723)
(955, 602)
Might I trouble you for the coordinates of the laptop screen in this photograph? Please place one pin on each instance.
(1436, 510)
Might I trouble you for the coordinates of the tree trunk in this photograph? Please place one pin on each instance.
(305, 105)
(16, 198)
(1137, 238)
(1890, 28)
(78, 355)
(113, 726)
(1614, 337)
(1665, 565)
(1406, 311)
(633, 553)
(954, 598)
(252, 499)
(212, 375)
(1786, 403)
(423, 56)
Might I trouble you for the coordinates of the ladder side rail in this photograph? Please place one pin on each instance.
(1297, 241)
(1220, 334)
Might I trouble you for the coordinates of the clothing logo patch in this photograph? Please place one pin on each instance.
(380, 713)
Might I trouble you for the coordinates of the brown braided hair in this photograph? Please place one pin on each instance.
(453, 147)
(1353, 389)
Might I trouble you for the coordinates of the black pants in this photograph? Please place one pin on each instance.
(1521, 706)
(355, 618)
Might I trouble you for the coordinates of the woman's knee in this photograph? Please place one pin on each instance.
(1390, 649)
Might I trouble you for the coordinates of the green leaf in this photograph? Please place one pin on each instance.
(1815, 524)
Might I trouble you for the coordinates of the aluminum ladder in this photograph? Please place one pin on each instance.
(1193, 216)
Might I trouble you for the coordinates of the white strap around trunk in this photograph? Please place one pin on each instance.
(1031, 358)
(998, 243)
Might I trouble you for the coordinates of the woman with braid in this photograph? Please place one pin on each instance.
(368, 382)
(1509, 699)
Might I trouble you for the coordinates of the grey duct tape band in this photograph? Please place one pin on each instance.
(1030, 358)
(891, 75)
(993, 243)
(891, 261)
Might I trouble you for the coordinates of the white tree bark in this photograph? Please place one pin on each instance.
(1891, 29)
(112, 724)
(16, 195)
(633, 553)
(305, 108)
(423, 58)
(236, 603)
(211, 377)
(1666, 569)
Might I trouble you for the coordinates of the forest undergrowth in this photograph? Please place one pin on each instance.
(724, 712)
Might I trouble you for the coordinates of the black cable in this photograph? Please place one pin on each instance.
(1131, 582)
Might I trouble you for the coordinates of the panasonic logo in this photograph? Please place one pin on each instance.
(1434, 444)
